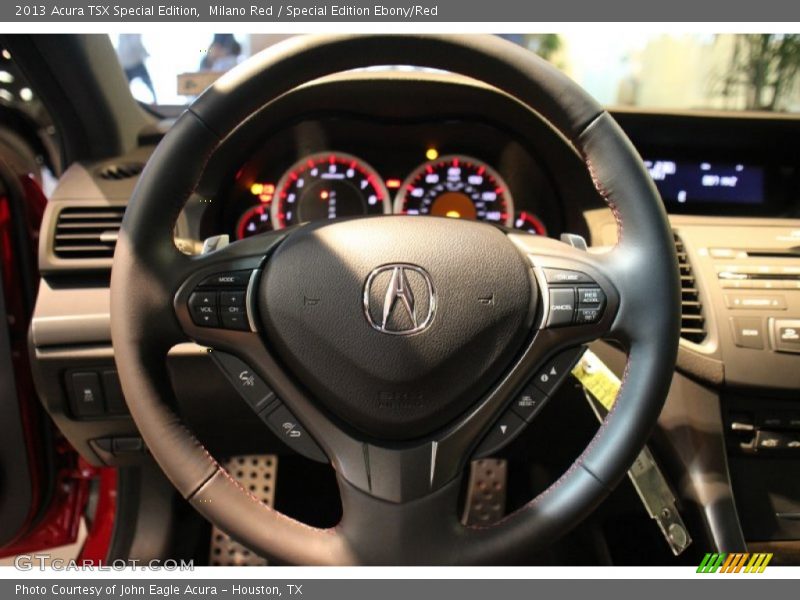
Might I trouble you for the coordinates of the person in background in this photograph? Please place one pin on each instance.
(132, 55)
(222, 54)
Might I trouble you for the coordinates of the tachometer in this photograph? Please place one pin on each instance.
(527, 221)
(326, 186)
(255, 220)
(459, 187)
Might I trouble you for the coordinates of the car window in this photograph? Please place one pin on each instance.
(643, 70)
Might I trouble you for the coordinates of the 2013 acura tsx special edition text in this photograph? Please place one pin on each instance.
(399, 299)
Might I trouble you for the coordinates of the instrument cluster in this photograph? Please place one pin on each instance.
(330, 185)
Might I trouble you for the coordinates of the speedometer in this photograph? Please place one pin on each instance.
(326, 186)
(458, 187)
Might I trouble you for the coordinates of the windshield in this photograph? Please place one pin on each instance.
(641, 70)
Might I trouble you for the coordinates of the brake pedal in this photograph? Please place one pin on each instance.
(486, 494)
(258, 474)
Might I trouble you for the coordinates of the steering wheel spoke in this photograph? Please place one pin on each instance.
(424, 530)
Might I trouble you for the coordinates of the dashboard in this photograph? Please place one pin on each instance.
(393, 143)
(439, 145)
(344, 166)
(425, 144)
(331, 184)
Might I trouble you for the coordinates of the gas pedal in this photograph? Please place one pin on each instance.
(486, 494)
(257, 473)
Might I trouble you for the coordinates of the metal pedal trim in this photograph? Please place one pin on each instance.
(486, 492)
(258, 474)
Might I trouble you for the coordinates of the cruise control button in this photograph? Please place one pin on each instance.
(227, 279)
(556, 369)
(528, 404)
(249, 385)
(748, 332)
(506, 429)
(590, 296)
(562, 307)
(203, 308)
(284, 425)
(585, 316)
(565, 276)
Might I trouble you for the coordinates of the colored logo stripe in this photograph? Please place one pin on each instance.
(735, 562)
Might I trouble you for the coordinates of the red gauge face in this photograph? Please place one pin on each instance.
(527, 221)
(458, 187)
(253, 221)
(326, 186)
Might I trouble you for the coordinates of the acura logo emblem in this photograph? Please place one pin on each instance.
(399, 299)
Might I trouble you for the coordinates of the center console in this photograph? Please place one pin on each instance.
(748, 278)
(740, 347)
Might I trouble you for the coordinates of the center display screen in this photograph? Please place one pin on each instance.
(684, 182)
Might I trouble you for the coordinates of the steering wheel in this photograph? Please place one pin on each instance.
(395, 347)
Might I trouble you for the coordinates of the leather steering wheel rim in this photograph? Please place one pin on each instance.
(148, 272)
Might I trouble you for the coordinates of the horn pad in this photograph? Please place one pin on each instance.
(397, 324)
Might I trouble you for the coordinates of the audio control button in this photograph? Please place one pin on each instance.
(227, 279)
(755, 302)
(748, 332)
(203, 308)
(786, 334)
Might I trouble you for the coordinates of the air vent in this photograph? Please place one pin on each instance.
(117, 172)
(692, 322)
(87, 232)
